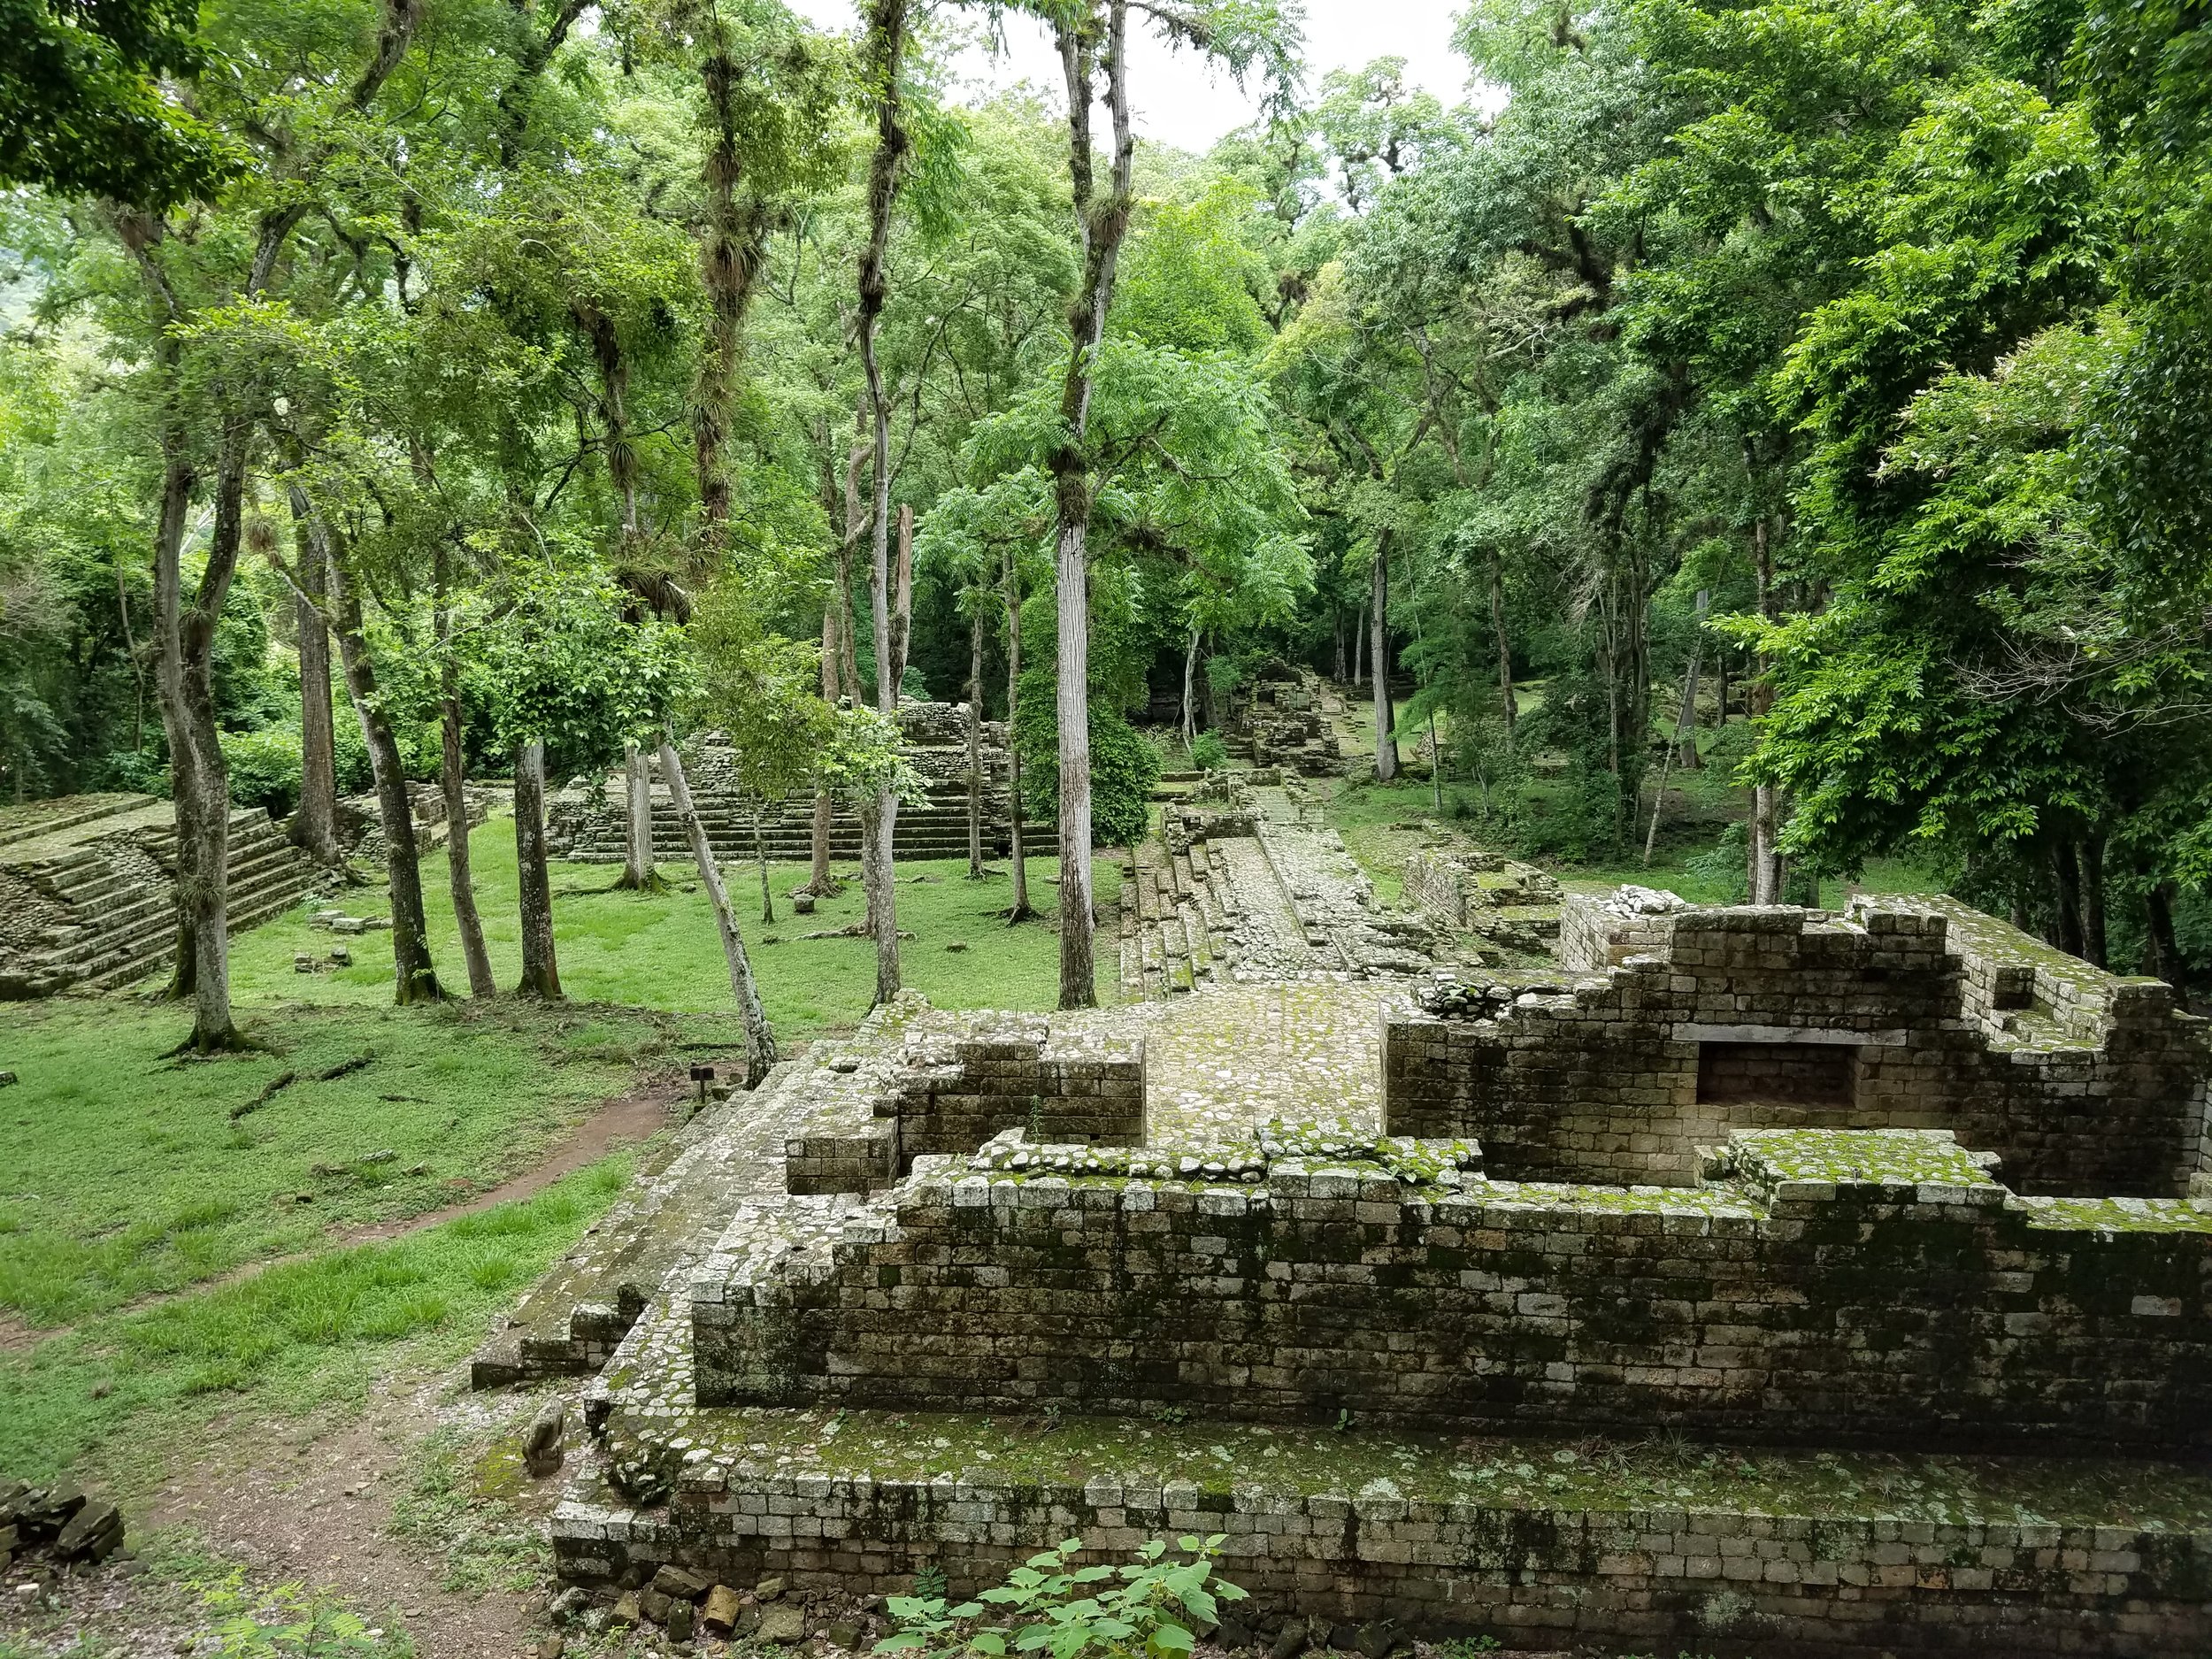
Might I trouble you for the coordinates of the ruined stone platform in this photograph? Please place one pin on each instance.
(1538, 1540)
(1247, 1260)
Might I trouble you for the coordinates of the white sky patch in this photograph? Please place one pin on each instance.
(1180, 100)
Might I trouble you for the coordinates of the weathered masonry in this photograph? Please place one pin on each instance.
(1669, 1027)
(1752, 1282)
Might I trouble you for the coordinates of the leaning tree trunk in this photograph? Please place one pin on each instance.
(1378, 660)
(975, 739)
(541, 965)
(638, 873)
(453, 785)
(760, 1041)
(2095, 944)
(415, 980)
(1019, 911)
(314, 827)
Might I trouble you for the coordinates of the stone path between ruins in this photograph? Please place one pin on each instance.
(1218, 1062)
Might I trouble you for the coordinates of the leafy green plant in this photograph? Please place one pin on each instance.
(291, 1620)
(1124, 767)
(1209, 753)
(1147, 1607)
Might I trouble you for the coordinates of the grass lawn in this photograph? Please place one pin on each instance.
(661, 950)
(1368, 818)
(134, 1180)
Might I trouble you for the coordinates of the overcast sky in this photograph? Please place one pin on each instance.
(1178, 102)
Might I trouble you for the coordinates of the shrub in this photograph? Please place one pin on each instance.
(1209, 753)
(265, 768)
(1152, 1607)
(1124, 767)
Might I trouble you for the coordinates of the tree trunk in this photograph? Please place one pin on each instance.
(540, 966)
(1104, 222)
(314, 827)
(1505, 646)
(1019, 911)
(883, 50)
(1378, 609)
(760, 856)
(1686, 725)
(2066, 874)
(1766, 857)
(819, 882)
(1190, 677)
(760, 1041)
(2093, 902)
(732, 232)
(176, 501)
(414, 979)
(638, 872)
(1336, 628)
(975, 737)
(2161, 947)
(1359, 646)
(452, 784)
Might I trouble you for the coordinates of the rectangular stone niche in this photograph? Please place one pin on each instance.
(1778, 1073)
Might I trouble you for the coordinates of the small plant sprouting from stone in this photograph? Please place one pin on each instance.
(929, 1583)
(1172, 1415)
(1343, 1419)
(1150, 1606)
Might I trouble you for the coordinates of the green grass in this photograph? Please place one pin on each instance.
(661, 950)
(124, 1388)
(127, 1174)
(1682, 862)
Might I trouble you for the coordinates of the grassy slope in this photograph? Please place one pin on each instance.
(128, 1178)
(661, 950)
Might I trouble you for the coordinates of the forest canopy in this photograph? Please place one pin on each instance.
(1820, 391)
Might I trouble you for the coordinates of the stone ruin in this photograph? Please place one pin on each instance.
(1512, 907)
(587, 821)
(88, 888)
(1752, 1279)
(1287, 717)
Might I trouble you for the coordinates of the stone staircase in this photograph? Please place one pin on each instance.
(1176, 913)
(108, 909)
(933, 827)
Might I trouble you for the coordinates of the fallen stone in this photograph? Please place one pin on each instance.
(1232, 1634)
(543, 1443)
(768, 1590)
(569, 1605)
(8, 1079)
(957, 946)
(341, 957)
(681, 1617)
(624, 1613)
(552, 1647)
(673, 1581)
(1291, 1641)
(782, 1626)
(92, 1533)
(1375, 1639)
(843, 1635)
(720, 1613)
(653, 1604)
(802, 903)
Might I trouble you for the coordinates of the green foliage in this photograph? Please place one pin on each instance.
(565, 667)
(265, 768)
(1153, 1607)
(81, 108)
(291, 1622)
(1209, 753)
(1124, 767)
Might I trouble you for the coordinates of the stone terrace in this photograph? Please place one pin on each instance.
(1360, 1356)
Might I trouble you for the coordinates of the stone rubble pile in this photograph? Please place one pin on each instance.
(47, 1531)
